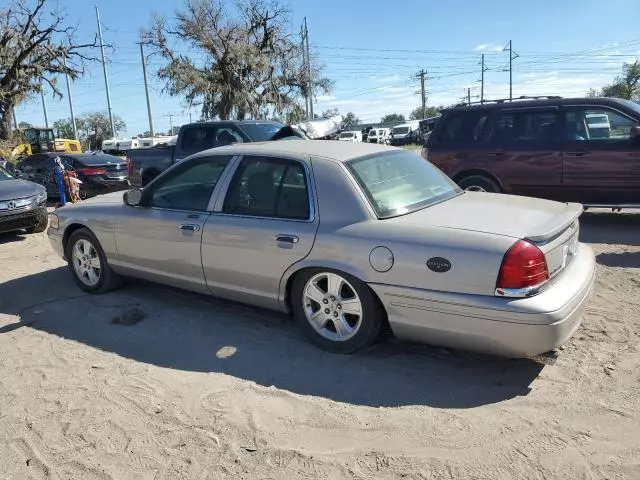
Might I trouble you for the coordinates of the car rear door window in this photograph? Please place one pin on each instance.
(268, 187)
(527, 128)
(463, 128)
(597, 124)
(189, 186)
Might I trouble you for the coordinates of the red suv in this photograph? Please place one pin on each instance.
(584, 150)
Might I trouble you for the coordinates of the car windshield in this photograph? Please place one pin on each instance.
(4, 175)
(401, 130)
(347, 135)
(401, 182)
(261, 131)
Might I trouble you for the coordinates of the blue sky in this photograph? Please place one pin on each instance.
(373, 49)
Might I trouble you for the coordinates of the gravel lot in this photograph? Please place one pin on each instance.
(200, 388)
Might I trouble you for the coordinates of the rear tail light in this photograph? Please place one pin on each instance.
(129, 165)
(523, 268)
(92, 171)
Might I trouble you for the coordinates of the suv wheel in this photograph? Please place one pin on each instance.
(478, 183)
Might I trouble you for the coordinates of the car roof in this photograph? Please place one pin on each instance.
(232, 122)
(339, 151)
(537, 102)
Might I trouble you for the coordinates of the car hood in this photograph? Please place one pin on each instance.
(507, 215)
(12, 189)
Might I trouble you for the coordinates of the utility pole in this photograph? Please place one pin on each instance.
(304, 67)
(73, 116)
(512, 56)
(469, 96)
(170, 115)
(146, 89)
(423, 92)
(15, 121)
(482, 82)
(190, 121)
(104, 70)
(44, 108)
(309, 79)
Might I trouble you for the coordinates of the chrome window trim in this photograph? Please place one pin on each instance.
(311, 197)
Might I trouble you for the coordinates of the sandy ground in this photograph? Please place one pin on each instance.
(205, 389)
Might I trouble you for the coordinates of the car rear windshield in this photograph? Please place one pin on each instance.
(261, 131)
(401, 182)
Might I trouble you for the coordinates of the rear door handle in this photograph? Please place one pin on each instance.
(189, 227)
(287, 238)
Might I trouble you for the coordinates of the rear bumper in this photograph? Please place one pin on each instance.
(23, 219)
(100, 187)
(520, 327)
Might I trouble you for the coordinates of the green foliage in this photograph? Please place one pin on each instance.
(625, 86)
(393, 117)
(416, 114)
(350, 119)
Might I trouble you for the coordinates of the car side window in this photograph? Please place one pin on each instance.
(268, 187)
(530, 128)
(189, 186)
(597, 124)
(463, 128)
(196, 139)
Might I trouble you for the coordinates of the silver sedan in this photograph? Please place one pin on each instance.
(349, 238)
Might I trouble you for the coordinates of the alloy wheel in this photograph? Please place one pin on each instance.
(86, 262)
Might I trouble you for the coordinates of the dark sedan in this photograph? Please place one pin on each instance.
(23, 205)
(100, 173)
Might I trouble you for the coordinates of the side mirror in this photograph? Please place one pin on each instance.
(634, 134)
(133, 197)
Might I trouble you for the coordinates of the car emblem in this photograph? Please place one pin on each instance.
(11, 205)
(438, 264)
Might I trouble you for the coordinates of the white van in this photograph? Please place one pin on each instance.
(598, 124)
(372, 136)
(384, 135)
(353, 136)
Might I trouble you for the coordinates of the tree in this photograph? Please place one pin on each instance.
(24, 125)
(249, 60)
(332, 112)
(145, 134)
(350, 119)
(295, 114)
(393, 117)
(64, 128)
(429, 112)
(98, 123)
(35, 47)
(625, 86)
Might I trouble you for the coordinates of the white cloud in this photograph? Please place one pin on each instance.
(488, 47)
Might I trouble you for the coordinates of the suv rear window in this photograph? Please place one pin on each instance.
(463, 127)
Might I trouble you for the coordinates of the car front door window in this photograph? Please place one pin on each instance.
(189, 186)
(597, 125)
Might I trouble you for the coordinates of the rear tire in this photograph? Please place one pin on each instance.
(344, 316)
(88, 263)
(479, 183)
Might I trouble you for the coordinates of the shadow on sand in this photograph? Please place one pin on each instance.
(188, 332)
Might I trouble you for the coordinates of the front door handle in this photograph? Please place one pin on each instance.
(287, 238)
(189, 227)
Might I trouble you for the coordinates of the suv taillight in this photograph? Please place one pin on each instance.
(523, 266)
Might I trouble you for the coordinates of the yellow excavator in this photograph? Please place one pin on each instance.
(39, 140)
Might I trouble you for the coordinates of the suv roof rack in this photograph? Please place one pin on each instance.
(504, 100)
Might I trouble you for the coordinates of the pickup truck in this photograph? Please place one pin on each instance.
(145, 164)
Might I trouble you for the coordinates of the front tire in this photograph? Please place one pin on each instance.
(41, 223)
(88, 263)
(336, 311)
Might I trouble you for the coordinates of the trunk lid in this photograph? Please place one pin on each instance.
(518, 217)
